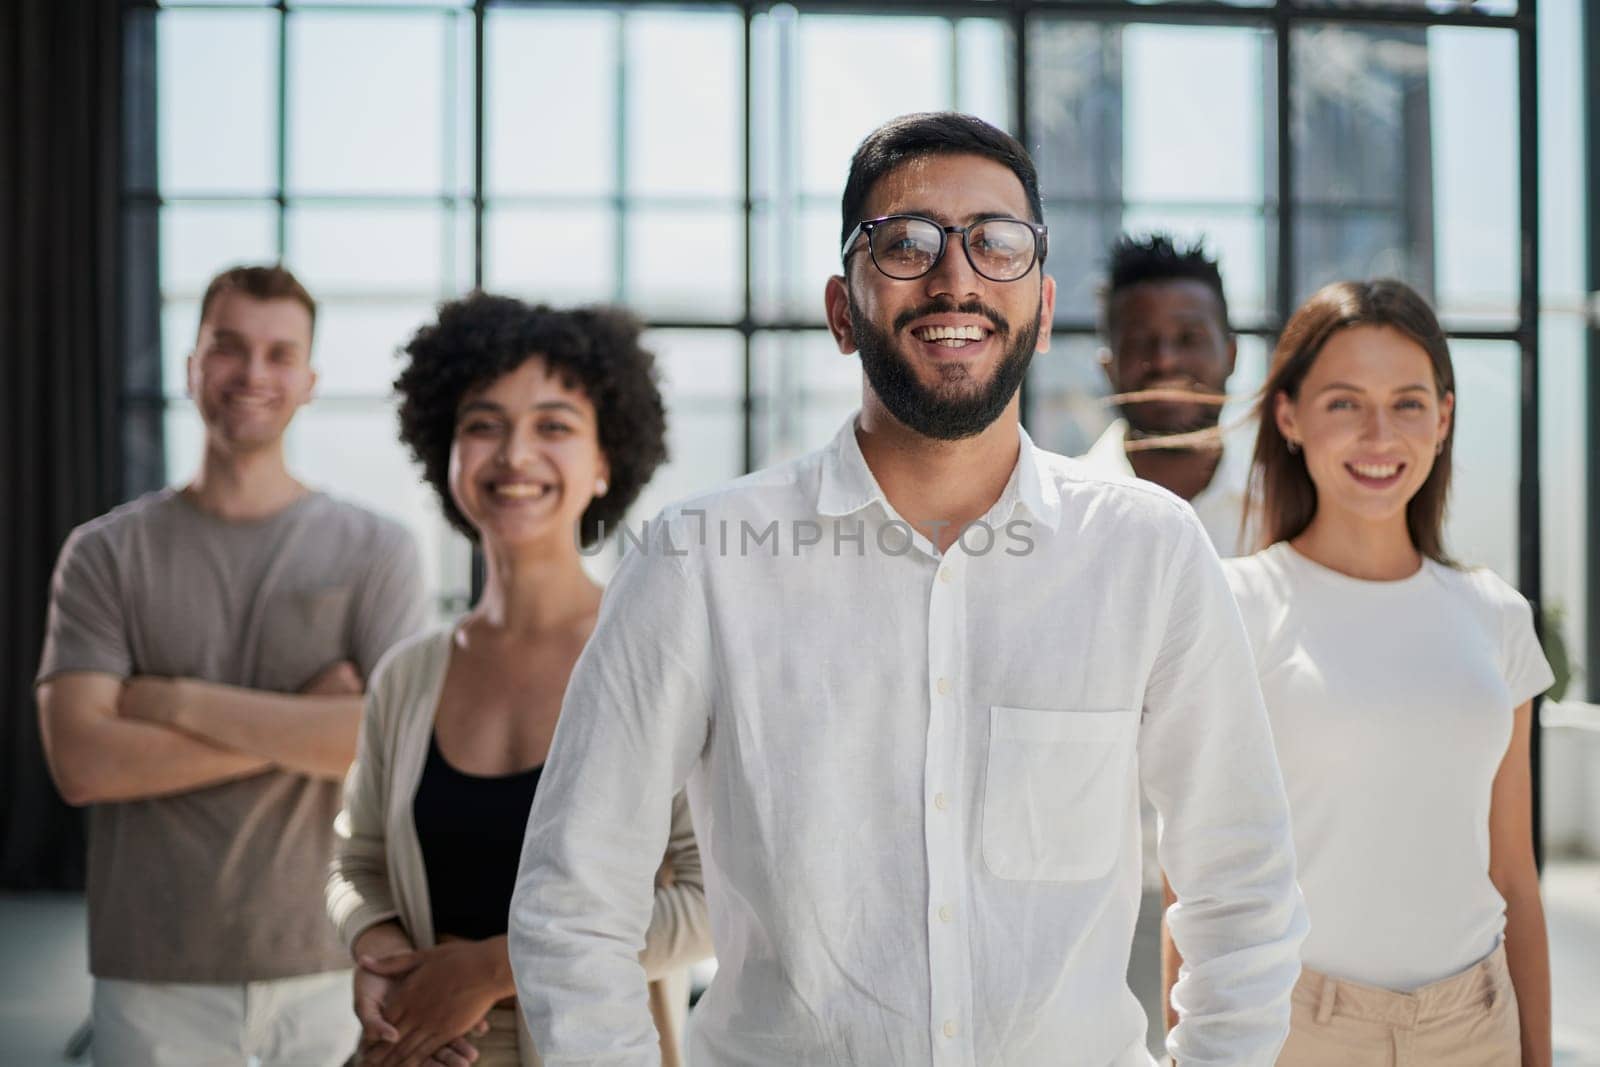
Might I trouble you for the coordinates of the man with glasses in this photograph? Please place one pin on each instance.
(913, 747)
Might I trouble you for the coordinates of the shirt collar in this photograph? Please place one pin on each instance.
(847, 484)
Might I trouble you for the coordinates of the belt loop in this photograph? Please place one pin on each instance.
(1330, 987)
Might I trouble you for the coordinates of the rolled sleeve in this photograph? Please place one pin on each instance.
(633, 723)
(1208, 764)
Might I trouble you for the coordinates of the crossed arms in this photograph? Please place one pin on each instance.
(107, 739)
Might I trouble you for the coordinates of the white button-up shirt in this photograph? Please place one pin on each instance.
(915, 782)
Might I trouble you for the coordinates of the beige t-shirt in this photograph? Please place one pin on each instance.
(224, 883)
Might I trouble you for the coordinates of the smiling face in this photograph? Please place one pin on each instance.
(1370, 420)
(251, 370)
(526, 457)
(1168, 335)
(943, 353)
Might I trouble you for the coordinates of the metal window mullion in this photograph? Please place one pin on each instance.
(1530, 569)
(282, 191)
(746, 322)
(1283, 46)
(1019, 45)
(619, 203)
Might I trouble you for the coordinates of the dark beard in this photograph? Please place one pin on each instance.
(947, 412)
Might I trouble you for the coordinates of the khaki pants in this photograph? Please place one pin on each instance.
(1466, 1020)
(288, 1022)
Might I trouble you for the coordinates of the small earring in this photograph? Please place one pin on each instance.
(600, 487)
(1438, 449)
(1294, 446)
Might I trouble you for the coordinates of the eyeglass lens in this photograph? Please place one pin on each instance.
(999, 249)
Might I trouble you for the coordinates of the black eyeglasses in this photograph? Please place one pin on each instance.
(909, 246)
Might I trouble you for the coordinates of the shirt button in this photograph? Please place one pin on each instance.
(949, 1028)
(940, 802)
(945, 914)
(943, 686)
(945, 576)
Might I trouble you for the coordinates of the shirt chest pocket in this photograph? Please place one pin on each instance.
(302, 632)
(1057, 791)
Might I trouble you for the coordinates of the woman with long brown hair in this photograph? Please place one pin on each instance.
(1399, 686)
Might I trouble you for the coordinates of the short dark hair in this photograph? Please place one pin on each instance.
(930, 133)
(1156, 257)
(260, 282)
(481, 337)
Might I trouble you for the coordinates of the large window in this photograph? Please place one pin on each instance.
(688, 159)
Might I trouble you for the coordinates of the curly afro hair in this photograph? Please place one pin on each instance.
(481, 337)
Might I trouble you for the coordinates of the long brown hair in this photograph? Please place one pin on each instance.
(1281, 487)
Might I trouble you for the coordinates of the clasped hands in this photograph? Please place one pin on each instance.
(421, 1007)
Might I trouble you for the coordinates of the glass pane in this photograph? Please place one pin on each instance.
(217, 101)
(1405, 164)
(185, 440)
(1473, 104)
(803, 389)
(200, 240)
(1065, 390)
(389, 250)
(1074, 111)
(705, 439)
(357, 345)
(551, 102)
(1192, 114)
(841, 98)
(702, 384)
(1481, 524)
(556, 257)
(366, 103)
(1563, 471)
(686, 264)
(180, 322)
(378, 475)
(699, 364)
(1079, 240)
(1441, 7)
(797, 250)
(681, 64)
(380, 3)
(984, 72)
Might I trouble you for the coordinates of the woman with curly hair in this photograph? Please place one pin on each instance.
(537, 428)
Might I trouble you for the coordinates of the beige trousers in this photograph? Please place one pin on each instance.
(1466, 1020)
(287, 1022)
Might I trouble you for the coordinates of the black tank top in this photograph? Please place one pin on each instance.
(470, 830)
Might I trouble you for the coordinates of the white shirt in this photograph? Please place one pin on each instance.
(1220, 504)
(1391, 705)
(915, 783)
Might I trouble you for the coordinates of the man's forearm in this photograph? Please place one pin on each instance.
(117, 760)
(310, 735)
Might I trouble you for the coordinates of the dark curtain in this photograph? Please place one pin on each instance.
(60, 462)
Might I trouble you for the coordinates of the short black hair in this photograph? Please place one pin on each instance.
(481, 337)
(929, 133)
(1156, 257)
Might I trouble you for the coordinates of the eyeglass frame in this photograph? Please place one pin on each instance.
(864, 228)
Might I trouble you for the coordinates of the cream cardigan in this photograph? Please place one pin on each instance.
(377, 872)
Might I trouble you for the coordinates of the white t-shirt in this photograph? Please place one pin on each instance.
(1391, 705)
